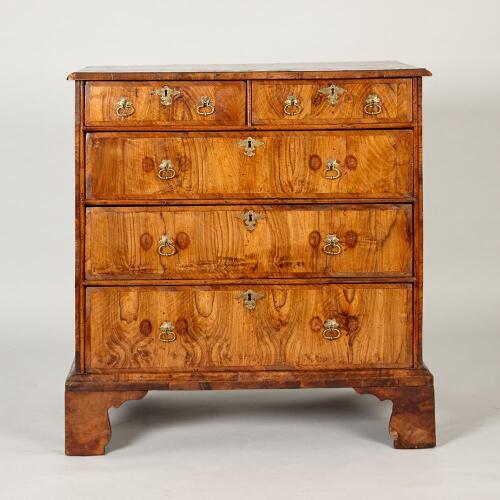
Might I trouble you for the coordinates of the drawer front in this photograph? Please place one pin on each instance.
(190, 328)
(195, 104)
(316, 102)
(369, 164)
(244, 241)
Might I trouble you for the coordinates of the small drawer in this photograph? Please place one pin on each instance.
(265, 165)
(334, 102)
(269, 241)
(165, 104)
(250, 327)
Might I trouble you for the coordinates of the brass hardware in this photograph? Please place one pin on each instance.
(332, 93)
(167, 94)
(166, 170)
(250, 219)
(373, 105)
(205, 103)
(332, 245)
(332, 170)
(124, 107)
(332, 330)
(167, 333)
(249, 298)
(166, 246)
(250, 144)
(292, 106)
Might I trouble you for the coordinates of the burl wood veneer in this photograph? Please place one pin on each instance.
(248, 227)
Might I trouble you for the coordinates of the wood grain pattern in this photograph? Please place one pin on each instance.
(87, 422)
(268, 101)
(412, 424)
(101, 98)
(213, 242)
(216, 332)
(125, 166)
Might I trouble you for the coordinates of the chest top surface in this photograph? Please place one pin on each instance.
(378, 69)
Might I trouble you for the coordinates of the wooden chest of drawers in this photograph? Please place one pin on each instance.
(248, 227)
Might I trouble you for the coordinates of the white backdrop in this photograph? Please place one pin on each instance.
(255, 444)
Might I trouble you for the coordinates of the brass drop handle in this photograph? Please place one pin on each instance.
(167, 333)
(124, 107)
(167, 94)
(373, 105)
(332, 245)
(332, 170)
(332, 329)
(332, 93)
(292, 106)
(166, 246)
(166, 170)
(250, 299)
(206, 107)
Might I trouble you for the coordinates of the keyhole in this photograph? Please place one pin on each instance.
(250, 217)
(249, 296)
(249, 144)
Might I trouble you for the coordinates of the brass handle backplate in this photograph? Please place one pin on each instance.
(332, 330)
(124, 107)
(332, 170)
(250, 219)
(332, 93)
(250, 298)
(206, 107)
(167, 94)
(373, 105)
(166, 246)
(249, 145)
(167, 333)
(332, 245)
(292, 106)
(166, 170)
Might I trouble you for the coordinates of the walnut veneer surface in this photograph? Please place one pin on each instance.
(248, 227)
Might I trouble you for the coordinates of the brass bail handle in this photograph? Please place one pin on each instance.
(166, 170)
(166, 247)
(332, 245)
(292, 106)
(124, 107)
(332, 169)
(167, 333)
(373, 105)
(332, 329)
(206, 106)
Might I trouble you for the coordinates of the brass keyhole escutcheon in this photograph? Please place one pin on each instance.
(250, 299)
(250, 219)
(250, 145)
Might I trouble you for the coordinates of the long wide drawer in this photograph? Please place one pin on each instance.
(330, 102)
(248, 241)
(165, 104)
(341, 164)
(232, 327)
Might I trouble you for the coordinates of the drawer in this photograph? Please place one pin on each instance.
(321, 102)
(195, 104)
(216, 328)
(183, 165)
(248, 241)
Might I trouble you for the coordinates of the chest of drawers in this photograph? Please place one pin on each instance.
(248, 227)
